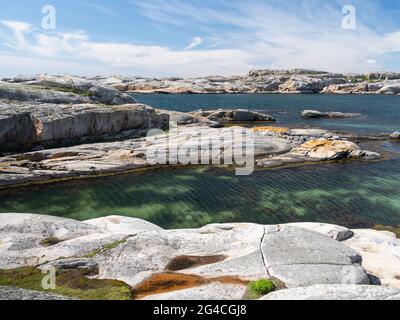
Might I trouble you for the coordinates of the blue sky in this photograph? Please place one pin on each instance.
(197, 37)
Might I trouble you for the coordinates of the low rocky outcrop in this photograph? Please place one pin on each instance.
(62, 89)
(139, 254)
(264, 81)
(12, 294)
(233, 115)
(25, 125)
(316, 149)
(272, 148)
(313, 114)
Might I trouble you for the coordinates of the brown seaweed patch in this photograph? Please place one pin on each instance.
(169, 282)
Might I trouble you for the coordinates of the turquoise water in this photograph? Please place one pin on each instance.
(355, 194)
(381, 114)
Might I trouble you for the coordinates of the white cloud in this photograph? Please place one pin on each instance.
(196, 41)
(261, 35)
(127, 58)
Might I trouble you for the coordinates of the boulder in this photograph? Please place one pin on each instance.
(313, 114)
(335, 292)
(380, 251)
(300, 257)
(234, 115)
(395, 135)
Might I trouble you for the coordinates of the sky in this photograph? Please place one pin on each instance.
(188, 38)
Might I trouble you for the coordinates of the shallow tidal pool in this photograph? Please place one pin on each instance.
(353, 194)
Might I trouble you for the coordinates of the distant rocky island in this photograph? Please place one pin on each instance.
(265, 81)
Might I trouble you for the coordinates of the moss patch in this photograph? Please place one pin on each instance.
(259, 288)
(105, 248)
(395, 230)
(187, 262)
(70, 283)
(51, 241)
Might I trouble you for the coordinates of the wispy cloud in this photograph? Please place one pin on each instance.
(196, 41)
(286, 34)
(100, 8)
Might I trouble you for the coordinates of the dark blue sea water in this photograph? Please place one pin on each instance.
(381, 114)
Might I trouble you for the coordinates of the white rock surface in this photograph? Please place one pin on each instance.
(381, 254)
(123, 225)
(332, 231)
(335, 292)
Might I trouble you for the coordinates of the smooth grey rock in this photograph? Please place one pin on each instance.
(22, 92)
(150, 252)
(123, 225)
(335, 292)
(12, 293)
(332, 231)
(22, 236)
(27, 124)
(301, 257)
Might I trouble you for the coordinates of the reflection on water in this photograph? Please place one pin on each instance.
(354, 194)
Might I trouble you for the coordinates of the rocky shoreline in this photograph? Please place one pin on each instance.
(62, 127)
(295, 81)
(59, 127)
(309, 260)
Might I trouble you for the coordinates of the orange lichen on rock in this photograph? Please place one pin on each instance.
(324, 148)
(271, 129)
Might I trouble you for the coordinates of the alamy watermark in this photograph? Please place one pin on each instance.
(349, 21)
(226, 146)
(49, 19)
